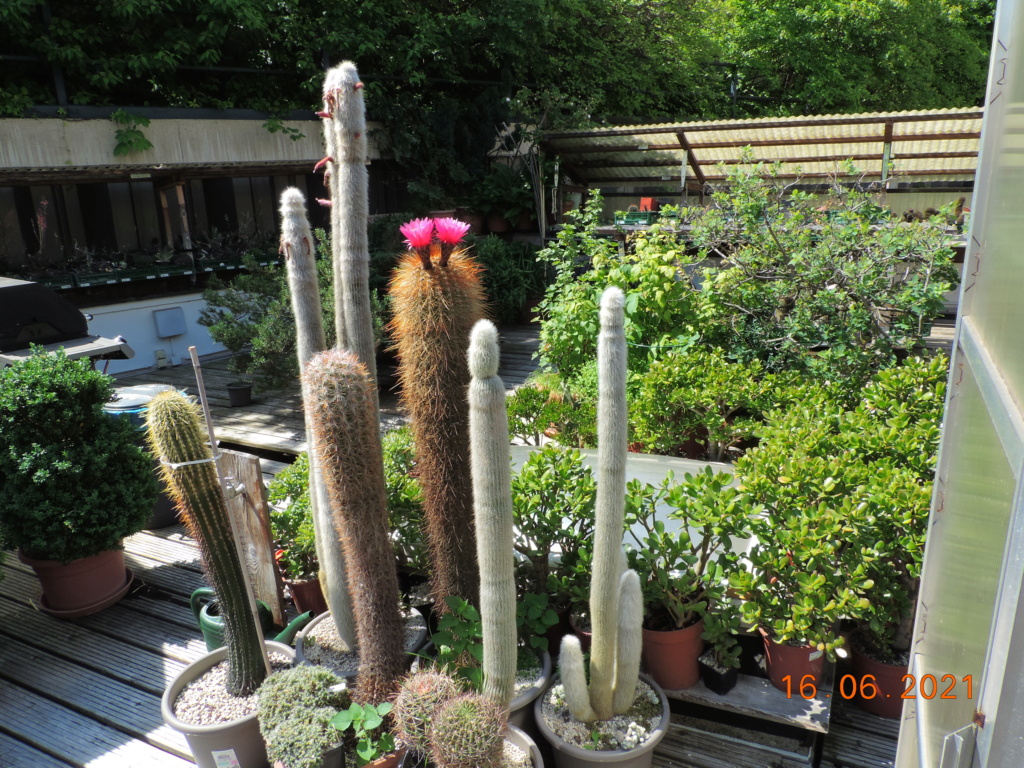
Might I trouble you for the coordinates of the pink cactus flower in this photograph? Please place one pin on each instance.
(450, 230)
(419, 234)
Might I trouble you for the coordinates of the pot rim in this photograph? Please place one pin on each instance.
(527, 697)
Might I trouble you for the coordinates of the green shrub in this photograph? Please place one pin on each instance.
(511, 275)
(75, 482)
(291, 521)
(405, 500)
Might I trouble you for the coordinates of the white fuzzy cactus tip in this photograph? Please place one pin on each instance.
(613, 301)
(293, 202)
(483, 350)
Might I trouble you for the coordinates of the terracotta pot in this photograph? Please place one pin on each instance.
(671, 657)
(795, 661)
(475, 220)
(888, 679)
(497, 223)
(525, 223)
(236, 743)
(307, 595)
(582, 634)
(390, 760)
(83, 586)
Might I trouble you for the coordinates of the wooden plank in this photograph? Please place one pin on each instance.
(178, 553)
(14, 754)
(144, 669)
(111, 702)
(250, 518)
(74, 737)
(176, 580)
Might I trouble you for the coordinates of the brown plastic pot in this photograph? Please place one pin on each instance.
(888, 680)
(794, 661)
(307, 595)
(671, 657)
(81, 587)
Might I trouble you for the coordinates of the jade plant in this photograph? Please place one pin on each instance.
(436, 297)
(300, 261)
(291, 522)
(75, 482)
(616, 603)
(187, 465)
(683, 536)
(341, 404)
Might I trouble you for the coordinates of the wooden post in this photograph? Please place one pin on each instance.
(250, 516)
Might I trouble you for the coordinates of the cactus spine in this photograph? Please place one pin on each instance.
(492, 495)
(420, 696)
(177, 438)
(467, 732)
(342, 406)
(434, 311)
(350, 207)
(615, 602)
(298, 249)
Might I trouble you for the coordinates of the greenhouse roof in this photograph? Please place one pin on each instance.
(923, 147)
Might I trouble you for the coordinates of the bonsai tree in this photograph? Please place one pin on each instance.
(682, 544)
(74, 480)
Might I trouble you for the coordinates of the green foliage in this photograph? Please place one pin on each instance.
(660, 305)
(291, 521)
(534, 617)
(845, 496)
(296, 707)
(553, 498)
(817, 285)
(505, 192)
(275, 124)
(75, 481)
(366, 722)
(405, 499)
(533, 408)
(128, 136)
(682, 543)
(699, 395)
(511, 276)
(721, 627)
(459, 641)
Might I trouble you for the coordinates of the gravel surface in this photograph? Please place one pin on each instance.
(621, 732)
(514, 757)
(325, 647)
(205, 701)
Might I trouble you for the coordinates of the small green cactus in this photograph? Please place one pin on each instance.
(419, 697)
(468, 732)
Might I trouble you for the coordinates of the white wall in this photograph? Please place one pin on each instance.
(134, 321)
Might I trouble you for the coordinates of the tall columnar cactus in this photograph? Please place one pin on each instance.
(300, 260)
(177, 438)
(492, 499)
(437, 297)
(341, 403)
(616, 608)
(345, 126)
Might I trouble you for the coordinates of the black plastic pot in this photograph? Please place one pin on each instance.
(239, 393)
(718, 682)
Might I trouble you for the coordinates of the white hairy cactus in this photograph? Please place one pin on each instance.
(616, 608)
(490, 461)
(300, 261)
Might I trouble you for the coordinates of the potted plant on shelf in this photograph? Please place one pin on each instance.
(720, 662)
(291, 524)
(577, 707)
(506, 199)
(75, 482)
(682, 547)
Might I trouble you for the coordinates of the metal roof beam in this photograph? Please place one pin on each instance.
(691, 159)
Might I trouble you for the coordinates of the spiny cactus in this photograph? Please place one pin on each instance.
(616, 609)
(350, 207)
(341, 403)
(300, 261)
(437, 297)
(468, 732)
(176, 436)
(418, 698)
(492, 499)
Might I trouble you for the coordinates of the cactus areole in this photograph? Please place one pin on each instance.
(437, 297)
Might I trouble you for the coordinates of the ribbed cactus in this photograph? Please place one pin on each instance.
(492, 500)
(300, 261)
(341, 404)
(615, 601)
(350, 208)
(468, 732)
(437, 297)
(419, 697)
(176, 436)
